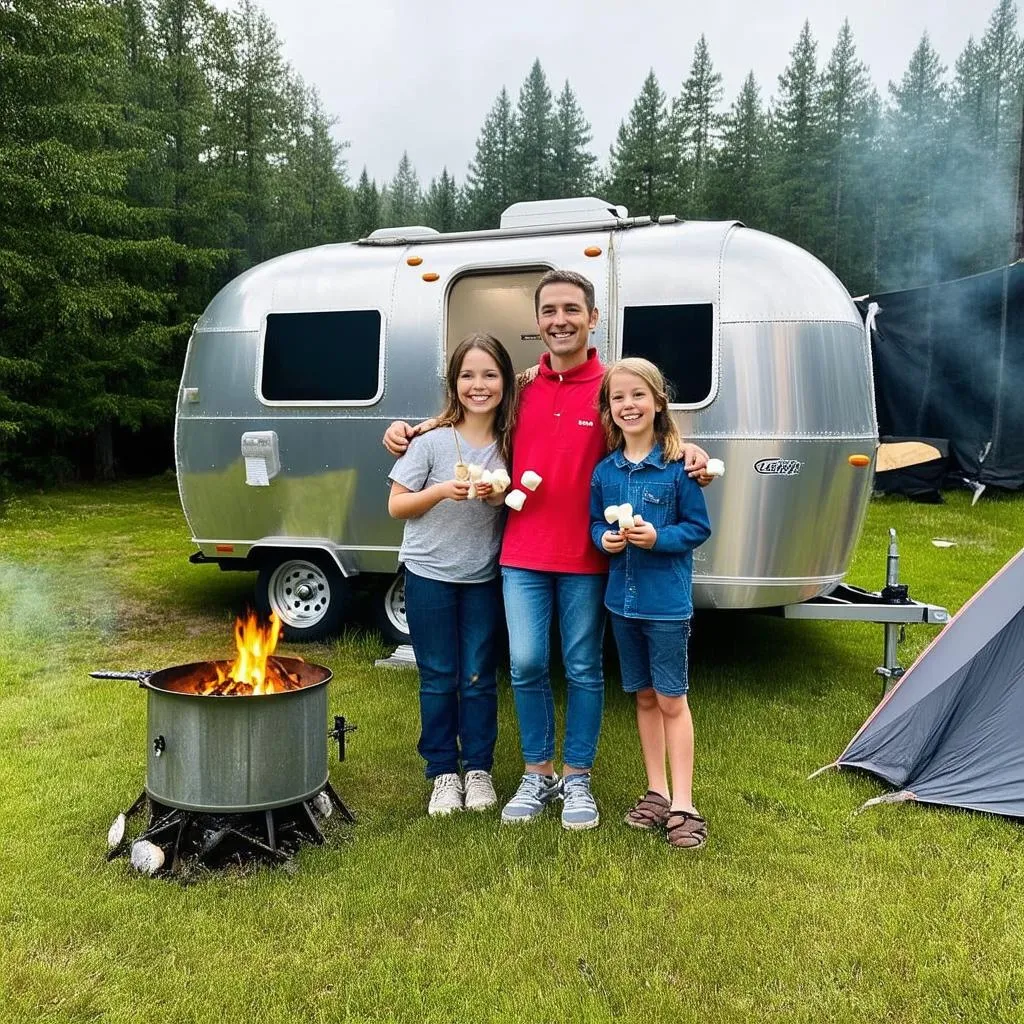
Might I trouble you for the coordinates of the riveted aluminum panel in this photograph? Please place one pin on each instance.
(768, 278)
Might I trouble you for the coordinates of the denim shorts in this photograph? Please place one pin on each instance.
(653, 653)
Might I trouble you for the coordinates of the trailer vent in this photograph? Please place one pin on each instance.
(561, 213)
(413, 231)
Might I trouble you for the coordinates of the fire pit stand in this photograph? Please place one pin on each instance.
(231, 779)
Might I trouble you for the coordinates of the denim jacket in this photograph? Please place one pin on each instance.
(654, 584)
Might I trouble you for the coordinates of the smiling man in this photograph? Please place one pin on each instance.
(548, 563)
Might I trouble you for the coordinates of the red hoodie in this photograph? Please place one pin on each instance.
(558, 435)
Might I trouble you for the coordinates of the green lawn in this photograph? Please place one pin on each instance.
(797, 910)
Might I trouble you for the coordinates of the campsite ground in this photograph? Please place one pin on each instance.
(797, 910)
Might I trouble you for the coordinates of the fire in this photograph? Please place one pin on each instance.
(255, 671)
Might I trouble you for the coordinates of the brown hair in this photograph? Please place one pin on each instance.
(505, 414)
(666, 433)
(565, 277)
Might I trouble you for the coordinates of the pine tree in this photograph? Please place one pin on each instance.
(1000, 55)
(84, 284)
(533, 163)
(739, 179)
(797, 198)
(573, 162)
(695, 125)
(915, 141)
(312, 199)
(642, 167)
(846, 121)
(366, 213)
(441, 203)
(252, 131)
(404, 199)
(489, 181)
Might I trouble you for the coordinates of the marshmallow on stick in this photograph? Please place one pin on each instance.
(530, 480)
(461, 471)
(516, 499)
(475, 476)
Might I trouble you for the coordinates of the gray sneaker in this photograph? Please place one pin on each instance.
(579, 811)
(535, 792)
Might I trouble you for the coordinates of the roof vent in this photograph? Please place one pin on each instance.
(557, 213)
(413, 231)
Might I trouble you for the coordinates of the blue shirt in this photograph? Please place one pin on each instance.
(654, 584)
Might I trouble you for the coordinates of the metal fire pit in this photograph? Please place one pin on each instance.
(249, 769)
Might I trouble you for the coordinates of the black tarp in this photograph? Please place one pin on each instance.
(949, 732)
(949, 363)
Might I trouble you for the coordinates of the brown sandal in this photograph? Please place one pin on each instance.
(648, 813)
(686, 831)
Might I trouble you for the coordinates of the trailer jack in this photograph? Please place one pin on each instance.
(892, 607)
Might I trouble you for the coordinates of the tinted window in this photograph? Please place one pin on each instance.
(678, 340)
(322, 357)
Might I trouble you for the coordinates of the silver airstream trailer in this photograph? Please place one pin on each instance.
(297, 366)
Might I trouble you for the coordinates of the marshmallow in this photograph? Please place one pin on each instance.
(147, 857)
(475, 472)
(515, 499)
(611, 514)
(530, 480)
(500, 480)
(461, 471)
(715, 467)
(625, 516)
(487, 477)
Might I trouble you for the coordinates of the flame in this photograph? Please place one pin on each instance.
(255, 671)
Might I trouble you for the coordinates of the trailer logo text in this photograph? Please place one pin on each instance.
(778, 467)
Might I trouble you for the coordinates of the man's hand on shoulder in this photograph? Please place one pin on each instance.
(527, 376)
(398, 435)
(695, 462)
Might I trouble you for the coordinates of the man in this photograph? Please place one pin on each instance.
(548, 562)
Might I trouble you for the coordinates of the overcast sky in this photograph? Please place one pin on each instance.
(421, 76)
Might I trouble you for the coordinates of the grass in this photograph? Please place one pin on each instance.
(797, 910)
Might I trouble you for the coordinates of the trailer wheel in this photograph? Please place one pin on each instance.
(308, 593)
(391, 611)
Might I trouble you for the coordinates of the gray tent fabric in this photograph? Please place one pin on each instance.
(951, 731)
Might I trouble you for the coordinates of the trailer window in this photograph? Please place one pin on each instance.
(322, 357)
(679, 341)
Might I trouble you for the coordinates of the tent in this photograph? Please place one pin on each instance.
(949, 363)
(951, 731)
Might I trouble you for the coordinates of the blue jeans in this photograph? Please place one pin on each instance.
(531, 599)
(454, 629)
(653, 653)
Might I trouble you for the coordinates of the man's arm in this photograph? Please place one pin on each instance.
(398, 435)
(695, 462)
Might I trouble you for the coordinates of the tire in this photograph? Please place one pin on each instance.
(307, 592)
(391, 618)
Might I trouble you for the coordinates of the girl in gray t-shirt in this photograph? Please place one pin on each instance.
(452, 586)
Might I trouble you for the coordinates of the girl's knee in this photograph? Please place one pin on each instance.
(646, 699)
(671, 707)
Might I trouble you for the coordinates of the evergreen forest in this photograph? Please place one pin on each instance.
(150, 150)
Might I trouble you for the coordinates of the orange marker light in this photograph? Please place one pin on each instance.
(592, 250)
(226, 548)
(859, 460)
(431, 277)
(414, 261)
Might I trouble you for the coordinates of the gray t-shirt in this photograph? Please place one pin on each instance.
(455, 541)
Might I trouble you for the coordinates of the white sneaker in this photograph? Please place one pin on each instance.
(480, 795)
(446, 796)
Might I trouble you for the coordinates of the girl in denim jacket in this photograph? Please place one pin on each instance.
(649, 585)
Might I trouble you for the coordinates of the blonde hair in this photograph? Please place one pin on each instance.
(505, 414)
(666, 433)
